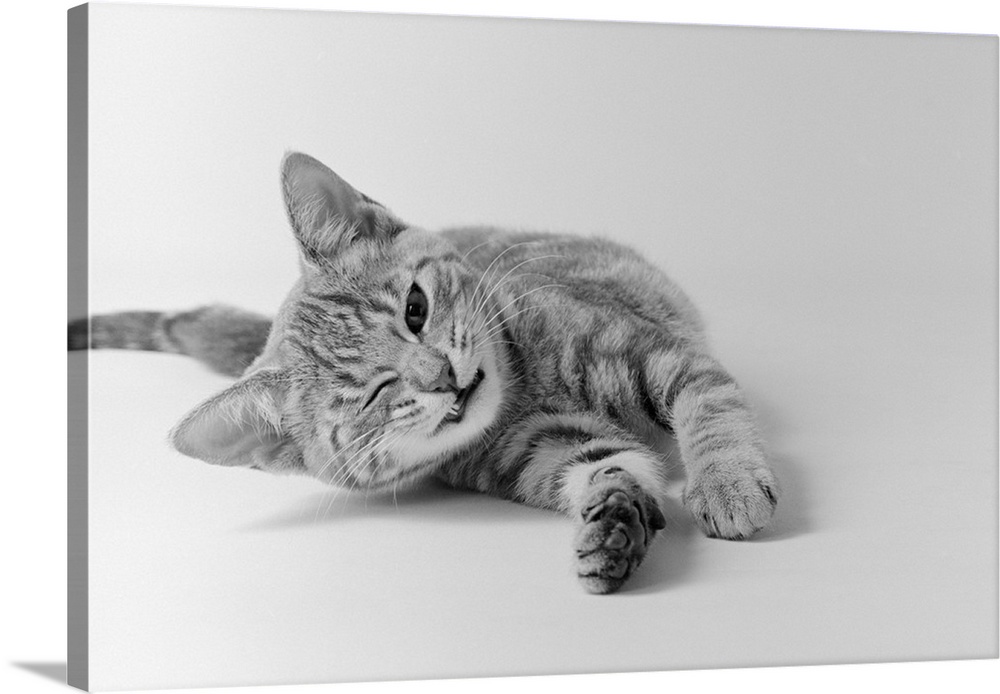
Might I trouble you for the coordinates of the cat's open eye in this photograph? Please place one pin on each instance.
(416, 309)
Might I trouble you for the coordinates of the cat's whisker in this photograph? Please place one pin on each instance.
(502, 324)
(338, 483)
(496, 286)
(475, 248)
(370, 458)
(494, 262)
(349, 466)
(355, 462)
(342, 476)
(341, 450)
(491, 343)
(366, 449)
(498, 342)
(500, 311)
(509, 272)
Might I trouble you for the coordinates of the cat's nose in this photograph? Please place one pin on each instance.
(445, 380)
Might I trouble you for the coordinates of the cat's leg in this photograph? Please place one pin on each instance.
(607, 481)
(730, 490)
(224, 338)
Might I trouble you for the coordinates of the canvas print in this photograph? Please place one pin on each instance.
(721, 299)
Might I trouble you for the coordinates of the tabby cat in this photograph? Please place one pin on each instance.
(530, 366)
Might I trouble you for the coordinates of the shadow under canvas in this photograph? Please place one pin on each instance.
(54, 670)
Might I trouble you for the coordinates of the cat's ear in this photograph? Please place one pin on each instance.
(241, 426)
(326, 212)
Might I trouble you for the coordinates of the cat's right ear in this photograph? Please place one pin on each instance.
(241, 426)
(326, 212)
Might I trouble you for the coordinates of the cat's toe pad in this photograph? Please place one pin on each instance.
(732, 501)
(619, 521)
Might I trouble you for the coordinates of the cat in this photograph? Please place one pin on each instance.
(529, 366)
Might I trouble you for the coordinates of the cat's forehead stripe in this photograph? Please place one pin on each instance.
(359, 302)
(319, 313)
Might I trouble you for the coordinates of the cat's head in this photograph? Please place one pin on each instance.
(379, 363)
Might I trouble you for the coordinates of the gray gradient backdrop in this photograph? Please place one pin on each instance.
(827, 198)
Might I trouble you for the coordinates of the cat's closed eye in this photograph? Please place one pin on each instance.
(388, 381)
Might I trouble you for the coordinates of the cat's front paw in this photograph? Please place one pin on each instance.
(732, 500)
(618, 523)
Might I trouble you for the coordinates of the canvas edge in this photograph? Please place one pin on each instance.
(77, 625)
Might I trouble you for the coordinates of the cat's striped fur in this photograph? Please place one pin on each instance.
(559, 354)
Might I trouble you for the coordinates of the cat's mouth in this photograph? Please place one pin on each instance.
(457, 411)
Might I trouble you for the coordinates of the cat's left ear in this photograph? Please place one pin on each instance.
(326, 212)
(241, 426)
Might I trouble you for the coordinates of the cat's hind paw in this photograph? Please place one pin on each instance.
(618, 523)
(732, 501)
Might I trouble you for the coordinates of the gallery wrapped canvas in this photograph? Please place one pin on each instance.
(411, 347)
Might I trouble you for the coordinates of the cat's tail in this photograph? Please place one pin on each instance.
(224, 338)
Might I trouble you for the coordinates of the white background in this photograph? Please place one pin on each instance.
(825, 197)
(34, 489)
